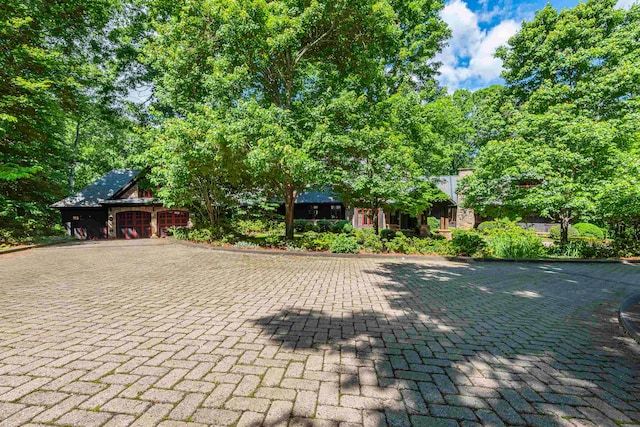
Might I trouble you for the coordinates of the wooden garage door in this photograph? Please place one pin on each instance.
(168, 219)
(133, 224)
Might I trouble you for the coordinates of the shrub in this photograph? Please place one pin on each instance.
(274, 240)
(347, 228)
(590, 230)
(401, 244)
(314, 241)
(245, 245)
(337, 227)
(487, 226)
(554, 232)
(200, 235)
(467, 243)
(247, 226)
(180, 233)
(344, 244)
(433, 246)
(434, 223)
(369, 240)
(626, 247)
(324, 225)
(507, 244)
(387, 234)
(587, 248)
(299, 225)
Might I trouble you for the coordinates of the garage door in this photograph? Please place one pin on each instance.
(168, 219)
(133, 224)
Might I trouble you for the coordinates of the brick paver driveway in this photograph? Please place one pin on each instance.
(155, 332)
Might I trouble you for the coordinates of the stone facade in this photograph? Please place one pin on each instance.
(465, 217)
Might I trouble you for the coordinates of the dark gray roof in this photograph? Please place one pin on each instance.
(448, 184)
(99, 190)
(318, 196)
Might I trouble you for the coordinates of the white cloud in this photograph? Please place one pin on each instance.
(625, 4)
(468, 59)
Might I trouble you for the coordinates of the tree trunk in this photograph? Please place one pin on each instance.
(374, 220)
(564, 231)
(72, 166)
(289, 209)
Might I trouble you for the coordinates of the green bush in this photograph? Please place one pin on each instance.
(314, 241)
(554, 232)
(324, 225)
(338, 226)
(180, 233)
(274, 240)
(401, 244)
(369, 240)
(588, 248)
(248, 226)
(387, 234)
(434, 223)
(299, 225)
(507, 244)
(590, 230)
(433, 246)
(626, 247)
(467, 243)
(344, 244)
(201, 235)
(245, 245)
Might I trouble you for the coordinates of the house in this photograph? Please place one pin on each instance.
(324, 204)
(118, 205)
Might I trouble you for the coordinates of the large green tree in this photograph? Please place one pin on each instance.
(574, 78)
(272, 67)
(46, 62)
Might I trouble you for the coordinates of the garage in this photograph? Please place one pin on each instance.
(168, 219)
(133, 224)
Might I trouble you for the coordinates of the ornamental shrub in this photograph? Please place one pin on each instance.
(507, 244)
(467, 243)
(324, 225)
(590, 230)
(337, 226)
(200, 235)
(554, 232)
(344, 244)
(314, 241)
(401, 244)
(369, 240)
(300, 225)
(247, 226)
(387, 234)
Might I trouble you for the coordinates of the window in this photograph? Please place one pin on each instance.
(363, 218)
(144, 193)
(336, 211)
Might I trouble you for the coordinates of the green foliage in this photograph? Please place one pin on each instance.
(589, 230)
(573, 78)
(588, 248)
(554, 232)
(246, 245)
(506, 244)
(467, 243)
(247, 226)
(317, 241)
(324, 225)
(434, 223)
(401, 244)
(344, 244)
(338, 226)
(387, 234)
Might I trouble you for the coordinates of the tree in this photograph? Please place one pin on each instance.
(283, 62)
(381, 154)
(46, 55)
(572, 78)
(194, 167)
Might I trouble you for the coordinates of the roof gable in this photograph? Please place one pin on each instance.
(101, 189)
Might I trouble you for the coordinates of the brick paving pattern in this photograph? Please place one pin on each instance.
(155, 332)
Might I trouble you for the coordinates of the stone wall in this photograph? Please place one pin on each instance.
(465, 217)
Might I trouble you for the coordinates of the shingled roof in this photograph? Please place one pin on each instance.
(99, 190)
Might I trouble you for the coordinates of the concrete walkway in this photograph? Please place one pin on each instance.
(156, 333)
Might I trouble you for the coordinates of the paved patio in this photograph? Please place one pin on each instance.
(154, 332)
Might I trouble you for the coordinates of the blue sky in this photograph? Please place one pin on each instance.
(478, 28)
